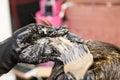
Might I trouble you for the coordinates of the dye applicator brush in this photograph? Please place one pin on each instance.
(74, 55)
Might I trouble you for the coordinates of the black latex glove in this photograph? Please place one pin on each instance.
(23, 46)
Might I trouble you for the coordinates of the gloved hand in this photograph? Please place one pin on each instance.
(23, 46)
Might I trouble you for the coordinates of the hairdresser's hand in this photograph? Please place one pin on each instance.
(25, 46)
(27, 42)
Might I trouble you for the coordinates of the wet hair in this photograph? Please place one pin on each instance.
(106, 64)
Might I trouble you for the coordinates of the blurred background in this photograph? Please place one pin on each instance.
(89, 19)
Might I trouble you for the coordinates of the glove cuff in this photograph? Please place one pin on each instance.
(7, 58)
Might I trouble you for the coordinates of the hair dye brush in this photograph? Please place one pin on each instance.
(74, 54)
